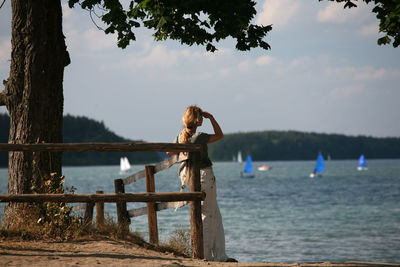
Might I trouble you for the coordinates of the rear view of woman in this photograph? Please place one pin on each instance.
(213, 230)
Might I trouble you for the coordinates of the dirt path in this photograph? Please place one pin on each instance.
(113, 253)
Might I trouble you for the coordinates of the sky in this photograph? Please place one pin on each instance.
(324, 73)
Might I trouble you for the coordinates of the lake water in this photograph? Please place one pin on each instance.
(281, 215)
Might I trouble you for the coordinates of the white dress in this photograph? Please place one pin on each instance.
(213, 230)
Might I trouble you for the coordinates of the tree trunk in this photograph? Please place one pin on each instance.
(34, 95)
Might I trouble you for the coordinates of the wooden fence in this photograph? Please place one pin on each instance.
(120, 197)
(148, 172)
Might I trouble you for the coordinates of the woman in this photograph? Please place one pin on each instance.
(213, 230)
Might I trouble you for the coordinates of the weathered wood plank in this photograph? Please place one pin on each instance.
(159, 206)
(196, 223)
(137, 212)
(134, 177)
(122, 212)
(165, 164)
(169, 205)
(107, 198)
(105, 147)
(170, 161)
(99, 213)
(88, 217)
(151, 206)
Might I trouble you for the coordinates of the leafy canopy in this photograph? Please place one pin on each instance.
(388, 13)
(199, 22)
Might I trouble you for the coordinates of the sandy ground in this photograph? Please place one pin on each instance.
(114, 253)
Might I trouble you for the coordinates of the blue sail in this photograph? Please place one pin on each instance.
(249, 165)
(362, 162)
(319, 166)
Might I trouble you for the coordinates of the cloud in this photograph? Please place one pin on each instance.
(333, 12)
(81, 32)
(66, 11)
(213, 56)
(277, 12)
(5, 50)
(370, 30)
(336, 13)
(300, 62)
(161, 57)
(243, 66)
(363, 74)
(346, 91)
(5, 54)
(225, 72)
(192, 55)
(239, 98)
(370, 73)
(97, 40)
(357, 80)
(158, 56)
(264, 60)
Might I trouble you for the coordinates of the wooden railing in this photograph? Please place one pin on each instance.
(120, 197)
(101, 147)
(148, 172)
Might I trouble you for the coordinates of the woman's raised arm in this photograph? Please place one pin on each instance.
(218, 134)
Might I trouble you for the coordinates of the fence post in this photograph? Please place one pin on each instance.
(196, 223)
(151, 206)
(99, 213)
(88, 218)
(122, 213)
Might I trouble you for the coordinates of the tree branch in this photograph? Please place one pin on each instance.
(2, 98)
(3, 95)
(2, 4)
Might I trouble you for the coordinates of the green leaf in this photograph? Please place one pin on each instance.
(161, 23)
(210, 48)
(384, 40)
(71, 3)
(350, 4)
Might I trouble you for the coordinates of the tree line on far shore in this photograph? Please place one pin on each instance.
(262, 146)
(295, 145)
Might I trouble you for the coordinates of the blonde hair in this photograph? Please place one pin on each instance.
(190, 119)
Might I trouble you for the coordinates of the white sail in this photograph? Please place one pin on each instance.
(239, 157)
(125, 166)
(121, 164)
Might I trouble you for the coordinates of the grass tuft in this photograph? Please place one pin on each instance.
(180, 241)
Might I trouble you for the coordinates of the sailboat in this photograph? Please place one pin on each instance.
(239, 157)
(248, 169)
(319, 167)
(362, 164)
(125, 166)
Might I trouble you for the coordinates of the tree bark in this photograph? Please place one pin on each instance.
(34, 95)
(2, 98)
